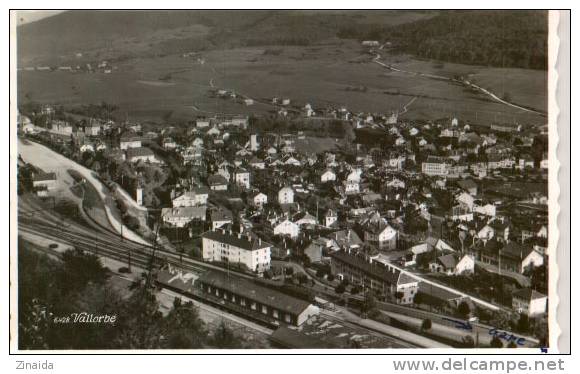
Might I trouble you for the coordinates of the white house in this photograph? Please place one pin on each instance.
(287, 228)
(61, 128)
(396, 183)
(292, 161)
(260, 199)
(202, 123)
(466, 199)
(169, 143)
(381, 234)
(220, 218)
(327, 176)
(43, 183)
(305, 218)
(180, 217)
(435, 166)
(453, 264)
(217, 182)
(486, 233)
(140, 154)
(330, 218)
(242, 178)
(257, 163)
(529, 302)
(351, 187)
(197, 142)
(93, 128)
(87, 148)
(233, 248)
(197, 196)
(286, 196)
(354, 175)
(214, 131)
(485, 209)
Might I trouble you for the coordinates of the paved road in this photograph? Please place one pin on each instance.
(469, 84)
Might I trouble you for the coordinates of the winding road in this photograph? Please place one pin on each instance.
(453, 80)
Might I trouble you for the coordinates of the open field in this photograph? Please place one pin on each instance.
(525, 87)
(172, 88)
(316, 145)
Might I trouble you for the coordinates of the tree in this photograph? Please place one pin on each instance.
(500, 319)
(419, 298)
(224, 337)
(340, 289)
(467, 341)
(496, 343)
(79, 269)
(541, 331)
(463, 309)
(302, 278)
(140, 322)
(183, 328)
(523, 323)
(426, 325)
(399, 295)
(131, 222)
(370, 302)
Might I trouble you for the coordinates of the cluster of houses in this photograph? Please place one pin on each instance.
(351, 211)
(104, 67)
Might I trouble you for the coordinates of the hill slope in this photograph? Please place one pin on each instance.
(166, 32)
(492, 38)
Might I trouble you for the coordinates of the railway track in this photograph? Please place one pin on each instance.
(104, 243)
(397, 342)
(111, 245)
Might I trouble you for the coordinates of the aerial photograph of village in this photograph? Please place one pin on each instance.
(282, 179)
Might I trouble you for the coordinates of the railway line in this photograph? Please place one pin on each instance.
(112, 245)
(93, 238)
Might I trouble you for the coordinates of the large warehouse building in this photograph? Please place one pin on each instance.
(244, 296)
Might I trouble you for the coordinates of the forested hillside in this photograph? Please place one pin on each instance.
(489, 38)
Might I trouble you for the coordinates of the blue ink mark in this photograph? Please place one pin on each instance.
(464, 325)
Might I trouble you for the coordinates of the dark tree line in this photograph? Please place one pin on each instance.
(491, 38)
(50, 290)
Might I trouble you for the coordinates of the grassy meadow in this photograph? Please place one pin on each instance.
(331, 73)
